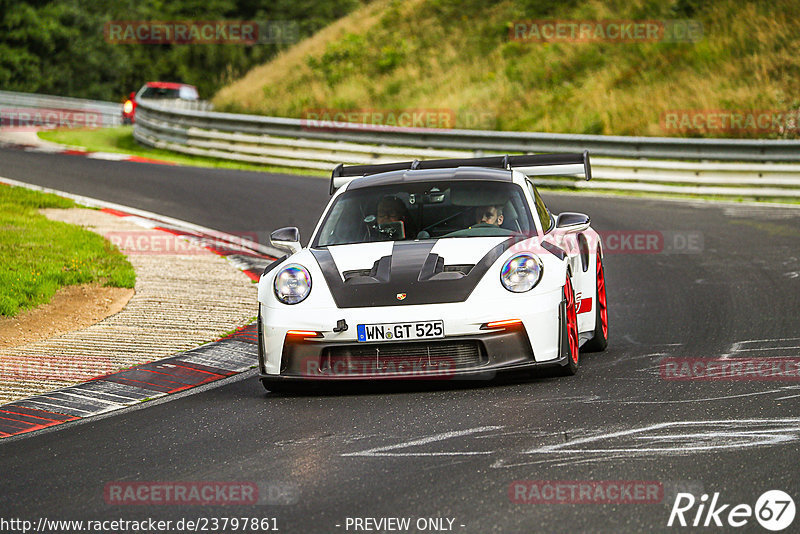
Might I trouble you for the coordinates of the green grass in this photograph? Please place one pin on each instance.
(120, 140)
(457, 55)
(38, 256)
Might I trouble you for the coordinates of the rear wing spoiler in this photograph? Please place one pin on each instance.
(529, 164)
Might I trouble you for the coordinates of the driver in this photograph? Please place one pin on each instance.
(491, 215)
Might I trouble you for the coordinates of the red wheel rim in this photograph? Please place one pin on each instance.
(572, 321)
(601, 296)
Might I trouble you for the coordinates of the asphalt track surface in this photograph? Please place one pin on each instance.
(452, 450)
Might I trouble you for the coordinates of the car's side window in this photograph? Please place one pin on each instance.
(544, 214)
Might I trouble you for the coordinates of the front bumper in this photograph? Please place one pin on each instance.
(469, 357)
(464, 322)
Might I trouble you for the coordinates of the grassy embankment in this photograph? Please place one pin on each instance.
(38, 256)
(457, 55)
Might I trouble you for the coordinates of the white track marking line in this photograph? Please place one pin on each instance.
(383, 451)
(738, 345)
(109, 156)
(48, 406)
(767, 340)
(564, 447)
(769, 348)
(725, 397)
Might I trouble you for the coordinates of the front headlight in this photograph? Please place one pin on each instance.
(292, 284)
(127, 107)
(521, 273)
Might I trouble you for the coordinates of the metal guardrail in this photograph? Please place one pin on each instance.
(187, 105)
(295, 143)
(12, 103)
(490, 141)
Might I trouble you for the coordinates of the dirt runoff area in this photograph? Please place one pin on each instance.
(71, 308)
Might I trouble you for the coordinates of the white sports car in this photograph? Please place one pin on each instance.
(435, 269)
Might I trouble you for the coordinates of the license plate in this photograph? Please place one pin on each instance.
(400, 331)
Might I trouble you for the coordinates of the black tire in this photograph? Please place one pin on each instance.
(278, 387)
(599, 342)
(569, 332)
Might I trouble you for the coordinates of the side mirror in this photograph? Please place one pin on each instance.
(133, 95)
(287, 239)
(572, 222)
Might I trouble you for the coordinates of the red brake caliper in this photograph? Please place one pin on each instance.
(601, 296)
(572, 321)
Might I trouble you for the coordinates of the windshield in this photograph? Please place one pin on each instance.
(426, 210)
(160, 93)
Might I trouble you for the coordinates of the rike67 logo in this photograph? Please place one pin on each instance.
(774, 510)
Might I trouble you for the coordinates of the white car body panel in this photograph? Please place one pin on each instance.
(488, 301)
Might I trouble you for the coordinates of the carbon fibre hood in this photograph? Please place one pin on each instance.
(403, 273)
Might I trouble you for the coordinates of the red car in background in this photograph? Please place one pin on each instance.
(157, 92)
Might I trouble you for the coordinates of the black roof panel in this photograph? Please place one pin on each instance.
(430, 175)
